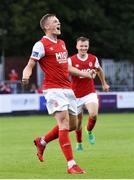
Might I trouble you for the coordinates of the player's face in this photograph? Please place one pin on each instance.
(53, 25)
(82, 47)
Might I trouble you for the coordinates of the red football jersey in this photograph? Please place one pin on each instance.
(83, 86)
(53, 63)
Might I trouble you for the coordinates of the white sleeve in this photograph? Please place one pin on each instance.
(69, 61)
(38, 51)
(97, 65)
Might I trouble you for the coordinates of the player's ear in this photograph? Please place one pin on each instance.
(46, 27)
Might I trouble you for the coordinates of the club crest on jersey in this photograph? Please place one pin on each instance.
(61, 57)
(63, 46)
(90, 64)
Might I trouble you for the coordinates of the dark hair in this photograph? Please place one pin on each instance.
(44, 19)
(82, 38)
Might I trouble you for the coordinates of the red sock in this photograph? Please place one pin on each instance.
(51, 135)
(79, 135)
(65, 144)
(91, 124)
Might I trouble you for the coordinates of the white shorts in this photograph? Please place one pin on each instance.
(85, 100)
(58, 99)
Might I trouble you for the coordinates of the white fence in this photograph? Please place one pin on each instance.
(119, 74)
(36, 102)
(20, 102)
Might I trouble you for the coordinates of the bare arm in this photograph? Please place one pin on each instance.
(101, 76)
(76, 72)
(27, 72)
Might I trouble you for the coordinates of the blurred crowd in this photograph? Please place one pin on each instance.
(8, 87)
(13, 85)
(5, 88)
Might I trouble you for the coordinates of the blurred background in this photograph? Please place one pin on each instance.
(108, 24)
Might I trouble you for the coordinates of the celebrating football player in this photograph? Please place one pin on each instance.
(51, 54)
(84, 88)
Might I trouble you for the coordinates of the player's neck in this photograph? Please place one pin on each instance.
(82, 56)
(52, 37)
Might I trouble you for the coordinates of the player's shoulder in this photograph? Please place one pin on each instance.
(92, 55)
(60, 41)
(38, 44)
(93, 58)
(44, 40)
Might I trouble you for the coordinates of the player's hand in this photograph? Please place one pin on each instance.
(25, 83)
(106, 87)
(92, 73)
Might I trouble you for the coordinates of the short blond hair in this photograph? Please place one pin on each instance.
(44, 19)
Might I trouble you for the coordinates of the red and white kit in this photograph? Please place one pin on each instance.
(84, 88)
(52, 57)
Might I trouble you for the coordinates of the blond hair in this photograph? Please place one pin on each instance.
(44, 19)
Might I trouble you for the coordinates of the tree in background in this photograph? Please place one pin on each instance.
(108, 24)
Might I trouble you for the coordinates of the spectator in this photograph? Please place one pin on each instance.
(4, 88)
(13, 77)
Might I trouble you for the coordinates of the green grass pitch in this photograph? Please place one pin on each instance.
(112, 157)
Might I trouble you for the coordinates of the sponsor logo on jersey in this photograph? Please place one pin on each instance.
(85, 70)
(35, 54)
(61, 57)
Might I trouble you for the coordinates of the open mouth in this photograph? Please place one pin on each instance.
(58, 28)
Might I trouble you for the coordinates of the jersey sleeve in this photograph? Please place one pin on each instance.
(69, 61)
(38, 51)
(97, 65)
